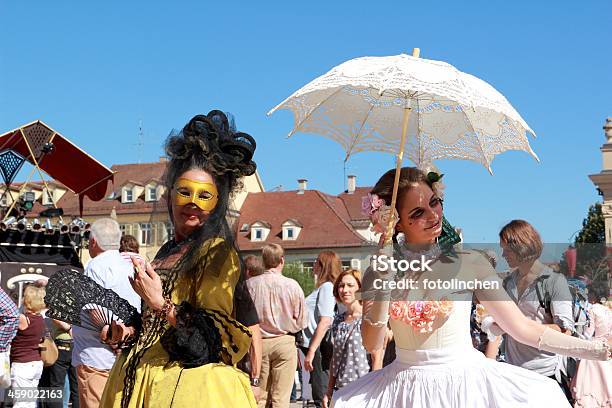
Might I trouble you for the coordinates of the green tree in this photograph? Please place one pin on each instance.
(593, 227)
(590, 244)
(304, 279)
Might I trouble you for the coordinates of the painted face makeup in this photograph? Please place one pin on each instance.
(203, 195)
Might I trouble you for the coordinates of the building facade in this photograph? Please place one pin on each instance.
(305, 222)
(603, 179)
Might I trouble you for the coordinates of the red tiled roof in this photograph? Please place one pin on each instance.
(124, 173)
(352, 202)
(324, 218)
(38, 184)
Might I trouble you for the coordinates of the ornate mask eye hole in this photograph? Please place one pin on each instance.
(183, 192)
(205, 195)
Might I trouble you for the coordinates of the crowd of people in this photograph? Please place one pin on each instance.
(221, 330)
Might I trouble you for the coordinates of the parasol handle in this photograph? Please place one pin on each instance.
(416, 52)
(398, 169)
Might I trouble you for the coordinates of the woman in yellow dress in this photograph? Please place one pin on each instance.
(184, 354)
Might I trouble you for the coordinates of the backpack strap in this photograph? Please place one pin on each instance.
(543, 293)
(505, 283)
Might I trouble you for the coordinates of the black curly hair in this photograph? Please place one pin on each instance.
(208, 143)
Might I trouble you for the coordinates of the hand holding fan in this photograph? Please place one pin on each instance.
(77, 299)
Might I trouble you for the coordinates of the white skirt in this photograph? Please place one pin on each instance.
(450, 377)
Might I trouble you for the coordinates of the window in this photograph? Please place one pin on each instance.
(290, 232)
(47, 198)
(152, 193)
(4, 200)
(259, 231)
(166, 232)
(128, 195)
(308, 266)
(126, 229)
(146, 234)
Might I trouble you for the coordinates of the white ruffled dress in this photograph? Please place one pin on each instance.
(441, 369)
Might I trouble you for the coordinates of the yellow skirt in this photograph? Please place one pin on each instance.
(159, 384)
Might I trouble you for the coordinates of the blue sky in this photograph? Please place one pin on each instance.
(93, 70)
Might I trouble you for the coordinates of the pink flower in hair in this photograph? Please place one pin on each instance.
(370, 204)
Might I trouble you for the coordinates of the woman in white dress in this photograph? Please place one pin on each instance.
(436, 365)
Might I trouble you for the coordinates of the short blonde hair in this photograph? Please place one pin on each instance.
(522, 239)
(271, 255)
(34, 298)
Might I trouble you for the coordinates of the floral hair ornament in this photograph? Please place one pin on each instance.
(370, 204)
(379, 213)
(434, 177)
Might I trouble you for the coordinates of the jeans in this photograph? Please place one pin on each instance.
(55, 377)
(318, 378)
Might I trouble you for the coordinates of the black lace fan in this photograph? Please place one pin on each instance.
(76, 299)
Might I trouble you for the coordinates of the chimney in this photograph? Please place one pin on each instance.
(163, 159)
(302, 184)
(351, 184)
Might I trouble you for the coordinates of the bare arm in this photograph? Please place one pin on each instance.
(62, 325)
(255, 351)
(493, 348)
(23, 322)
(322, 327)
(510, 318)
(377, 359)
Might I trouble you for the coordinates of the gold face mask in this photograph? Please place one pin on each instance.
(203, 195)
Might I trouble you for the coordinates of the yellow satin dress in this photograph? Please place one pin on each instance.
(160, 383)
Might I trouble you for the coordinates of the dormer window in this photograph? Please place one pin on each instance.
(4, 200)
(152, 193)
(291, 230)
(260, 231)
(128, 195)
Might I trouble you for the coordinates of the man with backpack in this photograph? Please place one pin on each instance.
(541, 294)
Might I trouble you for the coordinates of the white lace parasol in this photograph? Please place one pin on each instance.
(453, 115)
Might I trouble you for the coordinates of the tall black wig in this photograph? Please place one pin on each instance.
(209, 143)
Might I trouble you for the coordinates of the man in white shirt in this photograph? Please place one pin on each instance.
(92, 358)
